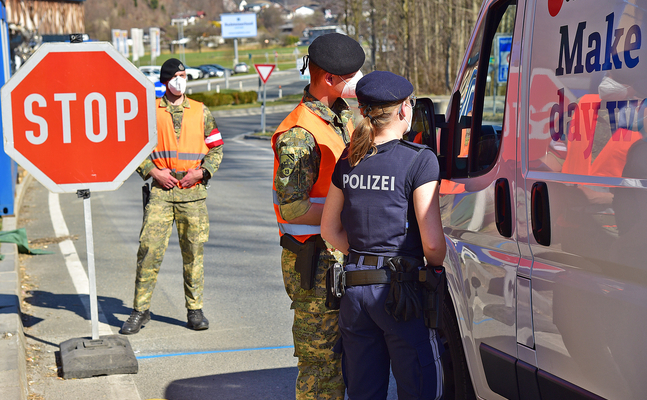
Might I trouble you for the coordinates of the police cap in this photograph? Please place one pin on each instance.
(170, 68)
(382, 87)
(337, 54)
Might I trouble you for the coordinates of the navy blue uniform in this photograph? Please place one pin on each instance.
(379, 219)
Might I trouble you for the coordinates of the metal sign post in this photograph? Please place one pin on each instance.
(92, 278)
(263, 107)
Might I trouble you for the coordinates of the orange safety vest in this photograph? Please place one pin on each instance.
(191, 149)
(330, 145)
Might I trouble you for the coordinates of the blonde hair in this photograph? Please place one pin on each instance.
(363, 139)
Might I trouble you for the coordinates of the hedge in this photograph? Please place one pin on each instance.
(213, 99)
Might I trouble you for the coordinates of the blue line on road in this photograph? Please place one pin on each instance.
(213, 352)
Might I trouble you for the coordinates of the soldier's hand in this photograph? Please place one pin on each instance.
(191, 178)
(164, 178)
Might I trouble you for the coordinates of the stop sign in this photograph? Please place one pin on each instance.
(79, 116)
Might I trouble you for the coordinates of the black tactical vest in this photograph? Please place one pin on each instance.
(378, 213)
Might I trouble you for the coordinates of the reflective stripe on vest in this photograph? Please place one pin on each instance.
(330, 145)
(298, 229)
(191, 149)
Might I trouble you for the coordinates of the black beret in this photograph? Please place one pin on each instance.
(169, 68)
(337, 54)
(382, 87)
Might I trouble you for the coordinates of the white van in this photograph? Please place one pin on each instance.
(544, 203)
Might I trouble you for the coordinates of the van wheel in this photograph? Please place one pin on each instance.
(457, 381)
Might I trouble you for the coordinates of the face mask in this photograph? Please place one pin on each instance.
(410, 121)
(612, 90)
(177, 85)
(349, 88)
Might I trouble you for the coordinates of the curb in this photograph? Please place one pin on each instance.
(13, 366)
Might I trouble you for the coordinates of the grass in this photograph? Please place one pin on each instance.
(225, 57)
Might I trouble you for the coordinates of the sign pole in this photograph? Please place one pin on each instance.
(263, 107)
(89, 240)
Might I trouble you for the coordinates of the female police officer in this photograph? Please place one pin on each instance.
(383, 212)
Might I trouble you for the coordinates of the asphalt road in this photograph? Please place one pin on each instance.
(246, 353)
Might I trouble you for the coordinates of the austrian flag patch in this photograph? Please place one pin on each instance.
(214, 139)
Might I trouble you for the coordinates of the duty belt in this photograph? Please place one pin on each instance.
(375, 276)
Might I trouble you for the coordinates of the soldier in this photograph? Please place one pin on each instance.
(306, 147)
(188, 153)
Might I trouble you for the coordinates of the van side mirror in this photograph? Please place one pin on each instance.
(455, 139)
(423, 126)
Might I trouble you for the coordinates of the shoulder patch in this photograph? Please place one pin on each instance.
(286, 164)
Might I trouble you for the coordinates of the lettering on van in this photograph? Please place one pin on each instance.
(624, 116)
(570, 53)
(369, 182)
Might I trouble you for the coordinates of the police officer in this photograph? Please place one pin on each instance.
(188, 153)
(306, 147)
(382, 210)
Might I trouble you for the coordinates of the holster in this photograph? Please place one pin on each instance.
(335, 286)
(403, 299)
(433, 281)
(146, 195)
(307, 257)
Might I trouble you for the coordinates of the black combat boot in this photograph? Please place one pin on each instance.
(135, 322)
(197, 320)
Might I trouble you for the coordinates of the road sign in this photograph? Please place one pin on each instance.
(160, 89)
(504, 46)
(264, 71)
(79, 116)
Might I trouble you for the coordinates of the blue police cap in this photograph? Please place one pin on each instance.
(337, 54)
(382, 87)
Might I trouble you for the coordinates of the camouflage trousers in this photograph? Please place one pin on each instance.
(192, 223)
(314, 331)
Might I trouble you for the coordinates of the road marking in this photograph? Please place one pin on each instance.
(121, 386)
(214, 352)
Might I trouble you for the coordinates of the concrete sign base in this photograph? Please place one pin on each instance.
(109, 355)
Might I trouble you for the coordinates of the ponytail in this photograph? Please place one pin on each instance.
(363, 139)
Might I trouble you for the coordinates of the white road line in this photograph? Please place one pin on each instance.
(122, 387)
(73, 263)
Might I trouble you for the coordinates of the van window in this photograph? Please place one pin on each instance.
(493, 39)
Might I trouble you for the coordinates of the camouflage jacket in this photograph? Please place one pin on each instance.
(211, 161)
(299, 156)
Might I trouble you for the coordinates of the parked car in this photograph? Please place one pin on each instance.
(241, 68)
(193, 73)
(223, 69)
(152, 72)
(211, 72)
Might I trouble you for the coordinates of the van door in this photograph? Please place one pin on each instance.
(477, 205)
(586, 187)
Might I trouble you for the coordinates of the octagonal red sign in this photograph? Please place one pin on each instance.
(79, 116)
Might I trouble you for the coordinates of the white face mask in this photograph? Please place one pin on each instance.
(611, 90)
(410, 121)
(177, 85)
(349, 88)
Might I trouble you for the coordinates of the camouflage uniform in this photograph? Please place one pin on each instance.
(315, 329)
(187, 207)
